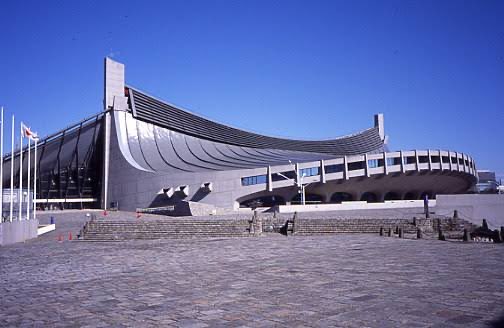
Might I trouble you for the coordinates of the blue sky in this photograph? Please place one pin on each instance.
(301, 69)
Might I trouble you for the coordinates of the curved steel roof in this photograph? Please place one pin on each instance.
(151, 110)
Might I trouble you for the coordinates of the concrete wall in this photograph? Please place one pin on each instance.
(17, 231)
(474, 208)
(345, 206)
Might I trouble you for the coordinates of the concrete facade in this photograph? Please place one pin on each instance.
(18, 231)
(144, 153)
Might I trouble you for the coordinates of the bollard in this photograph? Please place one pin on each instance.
(440, 235)
(426, 206)
(466, 235)
(484, 225)
(381, 231)
(397, 230)
(52, 219)
(390, 232)
(497, 237)
(400, 233)
(419, 233)
(295, 223)
(455, 214)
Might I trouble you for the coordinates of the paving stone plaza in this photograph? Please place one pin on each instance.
(342, 280)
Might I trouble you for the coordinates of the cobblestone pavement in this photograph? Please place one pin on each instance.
(272, 281)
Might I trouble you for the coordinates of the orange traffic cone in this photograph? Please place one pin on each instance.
(70, 236)
(60, 238)
(105, 213)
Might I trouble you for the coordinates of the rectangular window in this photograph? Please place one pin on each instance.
(372, 163)
(257, 179)
(334, 168)
(423, 159)
(394, 161)
(309, 172)
(409, 160)
(356, 166)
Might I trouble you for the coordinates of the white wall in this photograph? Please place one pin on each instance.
(474, 208)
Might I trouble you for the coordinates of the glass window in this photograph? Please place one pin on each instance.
(334, 168)
(308, 172)
(253, 180)
(372, 163)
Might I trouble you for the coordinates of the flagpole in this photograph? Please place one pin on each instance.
(35, 184)
(11, 208)
(1, 164)
(20, 199)
(28, 198)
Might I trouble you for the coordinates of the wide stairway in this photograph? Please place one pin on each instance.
(305, 226)
(115, 230)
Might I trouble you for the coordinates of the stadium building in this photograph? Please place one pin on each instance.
(144, 153)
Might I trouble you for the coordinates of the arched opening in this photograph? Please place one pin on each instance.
(263, 201)
(369, 197)
(339, 197)
(411, 196)
(392, 196)
(309, 199)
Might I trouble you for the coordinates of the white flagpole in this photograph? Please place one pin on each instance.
(1, 165)
(20, 199)
(28, 198)
(11, 208)
(35, 183)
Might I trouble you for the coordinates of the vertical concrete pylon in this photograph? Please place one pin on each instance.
(113, 97)
(379, 122)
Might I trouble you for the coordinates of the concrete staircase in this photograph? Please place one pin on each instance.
(451, 227)
(117, 228)
(114, 230)
(331, 226)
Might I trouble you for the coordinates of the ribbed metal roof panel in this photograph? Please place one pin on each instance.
(152, 110)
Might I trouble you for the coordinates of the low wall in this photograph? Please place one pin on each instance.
(473, 208)
(345, 206)
(18, 231)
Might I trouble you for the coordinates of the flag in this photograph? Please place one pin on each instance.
(28, 133)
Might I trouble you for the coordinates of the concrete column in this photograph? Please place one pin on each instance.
(458, 162)
(298, 177)
(430, 159)
(379, 122)
(450, 162)
(270, 180)
(113, 99)
(322, 172)
(367, 165)
(385, 169)
(440, 160)
(417, 161)
(106, 161)
(402, 162)
(345, 164)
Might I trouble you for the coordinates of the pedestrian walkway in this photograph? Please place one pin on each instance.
(341, 280)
